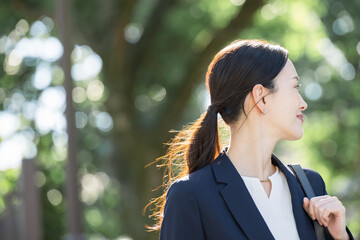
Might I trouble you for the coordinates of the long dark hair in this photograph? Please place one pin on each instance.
(231, 76)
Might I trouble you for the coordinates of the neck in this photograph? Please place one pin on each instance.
(250, 151)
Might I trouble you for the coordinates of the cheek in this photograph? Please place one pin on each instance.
(284, 108)
(292, 101)
(285, 104)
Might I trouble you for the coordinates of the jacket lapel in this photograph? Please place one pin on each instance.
(304, 224)
(239, 200)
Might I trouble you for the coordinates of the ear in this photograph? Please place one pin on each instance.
(258, 93)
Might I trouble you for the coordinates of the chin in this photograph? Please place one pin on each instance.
(298, 136)
(295, 135)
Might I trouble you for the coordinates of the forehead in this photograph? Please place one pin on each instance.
(288, 72)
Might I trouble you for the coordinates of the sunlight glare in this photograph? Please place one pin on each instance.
(9, 124)
(42, 77)
(88, 68)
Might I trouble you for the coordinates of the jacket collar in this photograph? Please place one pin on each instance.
(240, 202)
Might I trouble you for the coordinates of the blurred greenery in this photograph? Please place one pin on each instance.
(138, 69)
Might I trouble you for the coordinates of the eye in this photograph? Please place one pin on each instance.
(298, 86)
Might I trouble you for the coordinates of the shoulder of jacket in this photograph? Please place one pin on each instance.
(191, 181)
(179, 187)
(316, 181)
(310, 173)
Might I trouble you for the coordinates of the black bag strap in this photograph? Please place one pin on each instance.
(309, 192)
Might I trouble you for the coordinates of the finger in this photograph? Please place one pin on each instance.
(333, 209)
(319, 213)
(326, 208)
(309, 208)
(332, 203)
(328, 200)
(322, 207)
(306, 203)
(311, 211)
(313, 206)
(330, 210)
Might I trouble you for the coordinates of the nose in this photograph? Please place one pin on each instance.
(303, 104)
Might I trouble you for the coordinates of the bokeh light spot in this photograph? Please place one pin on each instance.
(104, 121)
(40, 179)
(133, 32)
(323, 74)
(29, 110)
(343, 24)
(329, 148)
(17, 102)
(48, 49)
(60, 139)
(38, 29)
(347, 71)
(54, 196)
(237, 2)
(52, 49)
(143, 103)
(42, 77)
(9, 124)
(58, 75)
(94, 217)
(12, 62)
(269, 11)
(157, 92)
(313, 91)
(15, 149)
(95, 90)
(88, 68)
(22, 27)
(79, 94)
(92, 188)
(81, 119)
(53, 98)
(15, 58)
(49, 23)
(124, 237)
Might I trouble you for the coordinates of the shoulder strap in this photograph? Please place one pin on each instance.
(304, 181)
(309, 192)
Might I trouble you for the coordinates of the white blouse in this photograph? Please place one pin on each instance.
(277, 208)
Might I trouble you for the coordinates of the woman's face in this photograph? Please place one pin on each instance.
(284, 107)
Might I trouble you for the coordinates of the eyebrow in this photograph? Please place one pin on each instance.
(296, 77)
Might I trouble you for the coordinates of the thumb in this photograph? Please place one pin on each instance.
(306, 204)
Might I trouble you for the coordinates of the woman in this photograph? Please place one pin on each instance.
(244, 191)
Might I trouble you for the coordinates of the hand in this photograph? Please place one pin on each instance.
(329, 212)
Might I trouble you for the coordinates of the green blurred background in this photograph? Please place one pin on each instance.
(137, 68)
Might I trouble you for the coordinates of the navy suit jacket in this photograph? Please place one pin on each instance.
(213, 203)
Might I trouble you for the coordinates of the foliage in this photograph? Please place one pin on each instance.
(153, 56)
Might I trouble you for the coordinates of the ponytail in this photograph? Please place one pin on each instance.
(205, 143)
(193, 148)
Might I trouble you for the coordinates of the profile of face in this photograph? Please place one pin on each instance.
(284, 106)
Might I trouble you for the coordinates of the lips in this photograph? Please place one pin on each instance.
(300, 116)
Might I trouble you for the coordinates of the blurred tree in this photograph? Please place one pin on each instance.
(154, 56)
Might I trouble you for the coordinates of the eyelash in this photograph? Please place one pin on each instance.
(298, 86)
